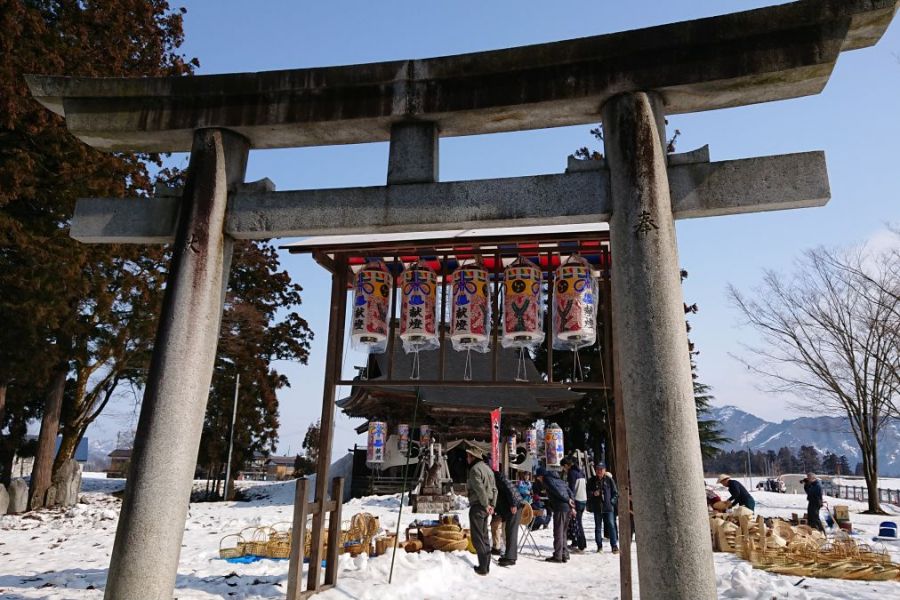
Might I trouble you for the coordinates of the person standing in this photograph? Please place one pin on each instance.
(561, 501)
(603, 498)
(577, 484)
(813, 488)
(482, 500)
(739, 494)
(509, 506)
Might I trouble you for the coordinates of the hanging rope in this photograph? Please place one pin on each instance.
(467, 371)
(577, 371)
(403, 489)
(521, 373)
(414, 375)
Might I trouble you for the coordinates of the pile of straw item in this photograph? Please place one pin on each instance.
(799, 550)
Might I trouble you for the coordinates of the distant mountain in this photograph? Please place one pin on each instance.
(825, 434)
(98, 450)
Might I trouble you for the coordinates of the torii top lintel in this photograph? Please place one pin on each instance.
(761, 55)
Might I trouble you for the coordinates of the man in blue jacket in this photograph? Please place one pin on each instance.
(561, 501)
(739, 494)
(814, 501)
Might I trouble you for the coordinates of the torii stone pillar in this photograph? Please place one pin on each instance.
(674, 553)
(151, 525)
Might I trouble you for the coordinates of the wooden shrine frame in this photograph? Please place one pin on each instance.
(338, 256)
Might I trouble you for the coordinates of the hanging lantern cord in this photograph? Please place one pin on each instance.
(577, 371)
(403, 489)
(521, 373)
(467, 371)
(414, 374)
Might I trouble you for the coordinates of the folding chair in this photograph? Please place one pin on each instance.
(525, 530)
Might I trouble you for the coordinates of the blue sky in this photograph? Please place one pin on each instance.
(855, 120)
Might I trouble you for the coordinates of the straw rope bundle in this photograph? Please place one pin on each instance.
(447, 538)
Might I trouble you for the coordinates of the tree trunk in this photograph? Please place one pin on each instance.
(72, 435)
(870, 472)
(43, 459)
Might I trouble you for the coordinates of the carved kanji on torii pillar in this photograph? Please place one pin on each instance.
(630, 80)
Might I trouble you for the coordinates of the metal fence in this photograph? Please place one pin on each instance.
(861, 494)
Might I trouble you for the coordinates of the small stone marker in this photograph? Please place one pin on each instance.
(18, 497)
(4, 499)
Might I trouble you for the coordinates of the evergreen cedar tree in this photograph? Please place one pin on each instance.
(78, 320)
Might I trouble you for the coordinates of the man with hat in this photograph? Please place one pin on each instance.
(603, 496)
(814, 501)
(482, 499)
(739, 494)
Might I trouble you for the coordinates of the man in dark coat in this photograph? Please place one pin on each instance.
(482, 500)
(739, 494)
(509, 505)
(561, 501)
(603, 496)
(814, 502)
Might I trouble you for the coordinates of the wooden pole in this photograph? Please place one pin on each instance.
(298, 540)
(333, 360)
(334, 531)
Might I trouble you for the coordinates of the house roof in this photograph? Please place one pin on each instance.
(281, 460)
(120, 453)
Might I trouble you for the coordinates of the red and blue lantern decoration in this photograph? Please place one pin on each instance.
(371, 307)
(418, 331)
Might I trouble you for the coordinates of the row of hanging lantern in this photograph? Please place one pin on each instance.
(376, 446)
(574, 312)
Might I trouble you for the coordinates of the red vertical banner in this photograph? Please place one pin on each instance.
(495, 439)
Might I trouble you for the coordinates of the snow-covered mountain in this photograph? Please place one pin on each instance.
(824, 433)
(97, 453)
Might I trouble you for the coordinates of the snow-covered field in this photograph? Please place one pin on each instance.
(65, 554)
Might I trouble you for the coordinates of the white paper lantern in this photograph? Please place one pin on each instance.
(403, 437)
(424, 435)
(523, 325)
(574, 305)
(553, 445)
(418, 293)
(371, 307)
(470, 312)
(531, 442)
(377, 436)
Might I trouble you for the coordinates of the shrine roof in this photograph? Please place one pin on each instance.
(395, 401)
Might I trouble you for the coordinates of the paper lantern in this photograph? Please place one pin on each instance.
(553, 445)
(531, 443)
(424, 435)
(403, 438)
(574, 305)
(375, 448)
(511, 446)
(522, 322)
(371, 307)
(470, 312)
(418, 292)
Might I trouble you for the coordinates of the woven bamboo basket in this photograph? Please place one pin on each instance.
(234, 551)
(259, 541)
(278, 547)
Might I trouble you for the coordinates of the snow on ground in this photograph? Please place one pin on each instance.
(58, 555)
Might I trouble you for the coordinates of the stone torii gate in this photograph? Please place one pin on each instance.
(629, 80)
